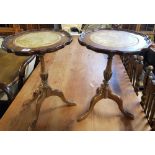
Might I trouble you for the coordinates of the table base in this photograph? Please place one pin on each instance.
(40, 94)
(104, 92)
(43, 92)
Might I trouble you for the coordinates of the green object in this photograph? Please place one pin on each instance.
(9, 66)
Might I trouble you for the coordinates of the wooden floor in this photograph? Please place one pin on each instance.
(77, 71)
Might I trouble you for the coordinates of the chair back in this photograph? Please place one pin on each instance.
(134, 67)
(148, 96)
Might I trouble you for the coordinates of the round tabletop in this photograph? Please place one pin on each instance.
(36, 42)
(114, 41)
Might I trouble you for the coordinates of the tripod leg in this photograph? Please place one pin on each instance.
(28, 103)
(94, 100)
(61, 95)
(119, 102)
(39, 102)
(101, 91)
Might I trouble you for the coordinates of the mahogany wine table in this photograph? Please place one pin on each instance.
(39, 43)
(111, 42)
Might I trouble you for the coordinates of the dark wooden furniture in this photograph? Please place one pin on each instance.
(38, 43)
(12, 77)
(147, 29)
(133, 27)
(7, 29)
(12, 70)
(149, 58)
(112, 42)
(36, 26)
(134, 67)
(148, 96)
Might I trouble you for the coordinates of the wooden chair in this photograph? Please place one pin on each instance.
(12, 75)
(134, 68)
(148, 96)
